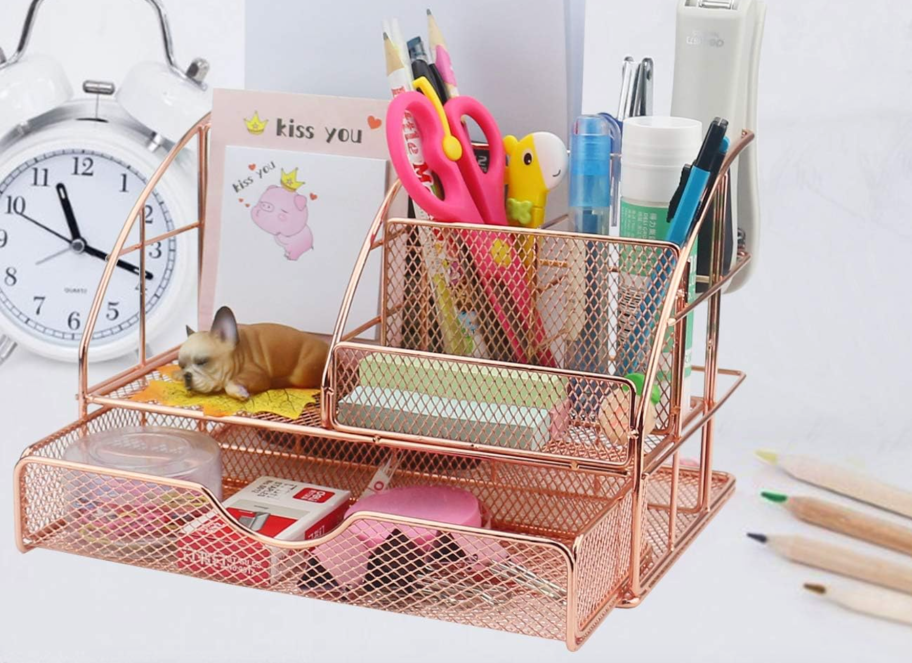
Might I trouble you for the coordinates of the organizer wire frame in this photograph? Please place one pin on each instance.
(575, 528)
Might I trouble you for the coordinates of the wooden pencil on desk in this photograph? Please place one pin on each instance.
(846, 482)
(846, 521)
(843, 561)
(870, 601)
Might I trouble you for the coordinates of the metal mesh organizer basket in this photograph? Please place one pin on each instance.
(586, 507)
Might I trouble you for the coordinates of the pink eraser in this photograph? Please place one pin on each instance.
(438, 503)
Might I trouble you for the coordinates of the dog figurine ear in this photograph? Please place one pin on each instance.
(224, 326)
(190, 331)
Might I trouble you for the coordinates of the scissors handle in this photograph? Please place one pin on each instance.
(412, 111)
(487, 188)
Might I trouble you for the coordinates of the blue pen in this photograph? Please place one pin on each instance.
(684, 207)
(700, 171)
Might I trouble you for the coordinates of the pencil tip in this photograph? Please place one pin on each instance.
(778, 498)
(767, 456)
(757, 537)
(386, 36)
(817, 589)
(429, 12)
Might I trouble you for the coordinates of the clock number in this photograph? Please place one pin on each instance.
(15, 205)
(123, 183)
(4, 238)
(155, 251)
(85, 167)
(40, 300)
(73, 322)
(112, 313)
(39, 176)
(148, 213)
(11, 279)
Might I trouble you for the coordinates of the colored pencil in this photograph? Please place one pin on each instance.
(843, 561)
(441, 55)
(846, 482)
(869, 601)
(846, 521)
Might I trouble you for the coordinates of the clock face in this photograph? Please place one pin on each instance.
(60, 214)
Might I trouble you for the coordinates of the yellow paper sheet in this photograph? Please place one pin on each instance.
(288, 403)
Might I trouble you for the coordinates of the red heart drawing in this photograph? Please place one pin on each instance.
(313, 196)
(251, 166)
(240, 200)
(374, 122)
(247, 204)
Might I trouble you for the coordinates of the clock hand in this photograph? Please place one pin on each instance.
(44, 227)
(123, 264)
(68, 211)
(92, 251)
(54, 255)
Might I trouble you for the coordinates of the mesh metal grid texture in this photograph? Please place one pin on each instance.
(554, 301)
(515, 576)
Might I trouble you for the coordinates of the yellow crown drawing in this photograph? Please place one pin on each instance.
(255, 125)
(290, 180)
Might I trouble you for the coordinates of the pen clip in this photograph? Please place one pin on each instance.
(644, 87)
(451, 146)
(676, 198)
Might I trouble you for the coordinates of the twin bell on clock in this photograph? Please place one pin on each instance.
(71, 169)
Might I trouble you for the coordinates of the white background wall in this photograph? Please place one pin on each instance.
(822, 331)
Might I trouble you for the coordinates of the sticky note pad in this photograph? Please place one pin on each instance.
(465, 420)
(463, 381)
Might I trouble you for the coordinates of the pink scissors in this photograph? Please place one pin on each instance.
(470, 196)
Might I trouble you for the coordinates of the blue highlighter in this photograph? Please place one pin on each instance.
(704, 167)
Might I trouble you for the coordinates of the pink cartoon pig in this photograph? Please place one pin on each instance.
(283, 213)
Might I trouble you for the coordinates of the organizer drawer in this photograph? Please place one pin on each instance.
(553, 556)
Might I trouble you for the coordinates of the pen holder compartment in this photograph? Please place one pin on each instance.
(553, 557)
(577, 311)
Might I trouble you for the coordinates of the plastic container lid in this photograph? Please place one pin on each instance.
(171, 453)
(653, 152)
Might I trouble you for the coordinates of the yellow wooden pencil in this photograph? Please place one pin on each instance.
(850, 483)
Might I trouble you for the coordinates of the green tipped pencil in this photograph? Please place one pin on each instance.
(845, 521)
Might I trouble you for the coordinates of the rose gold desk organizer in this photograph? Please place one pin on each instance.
(583, 523)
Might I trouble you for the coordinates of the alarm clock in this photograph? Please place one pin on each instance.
(70, 172)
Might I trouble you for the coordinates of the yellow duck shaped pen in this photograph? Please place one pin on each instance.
(537, 164)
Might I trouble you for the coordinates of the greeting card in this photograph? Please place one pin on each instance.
(295, 183)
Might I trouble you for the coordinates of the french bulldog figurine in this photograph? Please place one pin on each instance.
(249, 359)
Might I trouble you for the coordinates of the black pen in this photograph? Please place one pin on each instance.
(422, 67)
